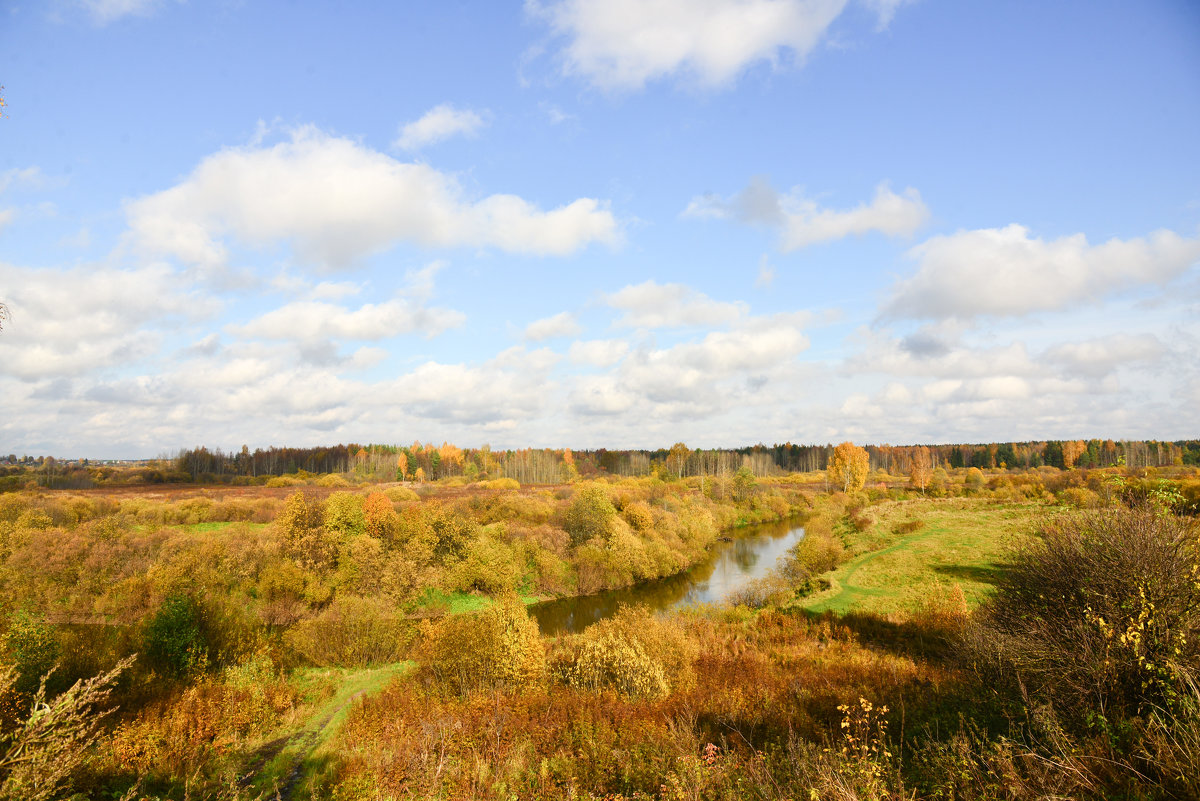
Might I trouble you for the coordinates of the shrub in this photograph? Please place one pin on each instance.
(634, 653)
(285, 481)
(638, 515)
(31, 646)
(589, 515)
(176, 737)
(173, 639)
(332, 480)
(344, 516)
(1102, 614)
(770, 590)
(352, 632)
(379, 518)
(401, 494)
(1080, 498)
(488, 566)
(498, 648)
(504, 483)
(40, 756)
(300, 525)
(818, 551)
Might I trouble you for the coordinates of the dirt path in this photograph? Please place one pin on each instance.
(278, 768)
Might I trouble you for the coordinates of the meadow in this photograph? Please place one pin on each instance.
(342, 640)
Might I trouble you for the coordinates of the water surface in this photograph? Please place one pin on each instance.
(729, 566)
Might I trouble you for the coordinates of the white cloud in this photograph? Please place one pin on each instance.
(437, 124)
(653, 305)
(1005, 271)
(6, 216)
(698, 378)
(559, 325)
(337, 202)
(598, 352)
(623, 44)
(1099, 357)
(802, 222)
(309, 321)
(886, 10)
(602, 395)
(514, 386)
(896, 393)
(938, 351)
(22, 175)
(106, 11)
(97, 323)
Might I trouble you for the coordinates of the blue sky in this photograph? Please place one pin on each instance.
(597, 223)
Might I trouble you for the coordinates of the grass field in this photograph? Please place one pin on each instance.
(918, 549)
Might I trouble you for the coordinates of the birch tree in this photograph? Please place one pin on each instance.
(848, 467)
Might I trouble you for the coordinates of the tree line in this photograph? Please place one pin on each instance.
(429, 461)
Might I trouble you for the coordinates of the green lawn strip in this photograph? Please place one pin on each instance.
(962, 541)
(303, 746)
(208, 528)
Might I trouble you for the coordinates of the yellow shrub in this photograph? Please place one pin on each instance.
(498, 648)
(332, 480)
(633, 652)
(285, 481)
(401, 494)
(638, 515)
(352, 632)
(500, 484)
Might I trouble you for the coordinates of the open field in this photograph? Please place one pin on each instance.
(917, 549)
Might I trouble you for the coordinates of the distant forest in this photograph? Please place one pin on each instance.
(540, 465)
(430, 462)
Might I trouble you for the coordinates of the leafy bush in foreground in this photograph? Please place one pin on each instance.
(1102, 614)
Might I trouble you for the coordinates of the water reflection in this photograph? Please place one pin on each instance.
(729, 565)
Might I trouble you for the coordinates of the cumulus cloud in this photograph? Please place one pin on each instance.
(1005, 271)
(803, 222)
(511, 387)
(623, 44)
(700, 377)
(654, 305)
(562, 324)
(1099, 357)
(315, 320)
(938, 351)
(598, 352)
(336, 202)
(437, 124)
(94, 325)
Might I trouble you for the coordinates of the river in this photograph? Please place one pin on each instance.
(748, 555)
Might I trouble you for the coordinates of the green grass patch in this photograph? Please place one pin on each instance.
(917, 548)
(209, 528)
(305, 752)
(453, 603)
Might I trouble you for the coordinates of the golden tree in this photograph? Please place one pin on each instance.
(1072, 451)
(848, 467)
(921, 469)
(677, 458)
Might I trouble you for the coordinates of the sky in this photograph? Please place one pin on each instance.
(597, 223)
